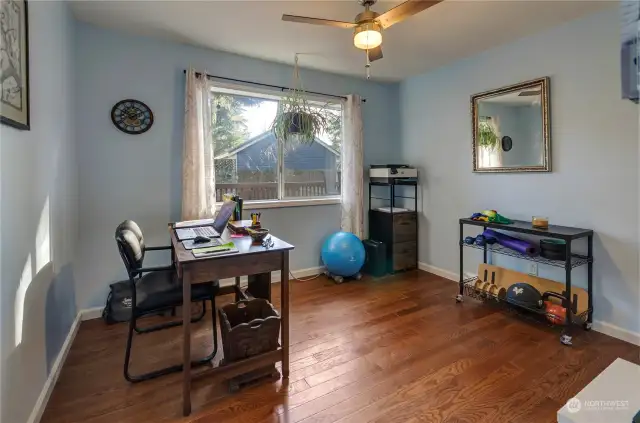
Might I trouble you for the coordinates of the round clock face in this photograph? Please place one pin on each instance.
(132, 116)
(507, 143)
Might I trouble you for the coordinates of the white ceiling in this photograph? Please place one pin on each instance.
(515, 98)
(446, 32)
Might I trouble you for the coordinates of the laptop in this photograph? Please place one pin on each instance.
(213, 231)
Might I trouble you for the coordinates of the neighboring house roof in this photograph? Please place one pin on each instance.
(264, 137)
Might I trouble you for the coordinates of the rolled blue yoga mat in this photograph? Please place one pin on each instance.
(519, 245)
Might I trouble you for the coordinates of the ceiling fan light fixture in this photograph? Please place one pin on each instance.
(367, 35)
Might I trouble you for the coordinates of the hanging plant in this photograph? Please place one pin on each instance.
(297, 120)
(487, 138)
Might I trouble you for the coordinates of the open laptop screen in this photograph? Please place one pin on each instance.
(226, 210)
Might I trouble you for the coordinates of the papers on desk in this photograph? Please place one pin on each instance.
(193, 223)
(228, 248)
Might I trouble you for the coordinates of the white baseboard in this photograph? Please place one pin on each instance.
(617, 332)
(47, 389)
(91, 313)
(447, 274)
(300, 273)
(96, 312)
(599, 326)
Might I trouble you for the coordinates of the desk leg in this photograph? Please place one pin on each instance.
(186, 348)
(284, 305)
(238, 288)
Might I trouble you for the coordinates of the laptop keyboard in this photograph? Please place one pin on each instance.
(207, 231)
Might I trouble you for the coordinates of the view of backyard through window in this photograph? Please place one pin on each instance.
(247, 154)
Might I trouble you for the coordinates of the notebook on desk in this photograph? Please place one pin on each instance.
(228, 248)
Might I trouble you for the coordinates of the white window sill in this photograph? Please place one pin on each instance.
(276, 204)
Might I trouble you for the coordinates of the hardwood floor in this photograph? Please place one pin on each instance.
(397, 349)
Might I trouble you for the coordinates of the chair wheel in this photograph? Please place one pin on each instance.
(338, 279)
(588, 326)
(566, 340)
(458, 298)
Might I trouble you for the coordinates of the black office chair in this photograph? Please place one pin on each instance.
(154, 290)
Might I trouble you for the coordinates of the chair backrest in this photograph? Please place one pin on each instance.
(131, 246)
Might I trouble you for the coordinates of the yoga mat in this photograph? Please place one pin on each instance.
(519, 245)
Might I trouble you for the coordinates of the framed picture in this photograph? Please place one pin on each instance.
(14, 63)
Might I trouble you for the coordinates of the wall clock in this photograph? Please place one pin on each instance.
(132, 116)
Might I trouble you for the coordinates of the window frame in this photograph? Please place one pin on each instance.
(225, 87)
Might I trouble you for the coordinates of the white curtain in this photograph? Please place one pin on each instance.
(352, 185)
(198, 176)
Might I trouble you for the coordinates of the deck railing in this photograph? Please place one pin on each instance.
(269, 190)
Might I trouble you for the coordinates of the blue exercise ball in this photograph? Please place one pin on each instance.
(343, 254)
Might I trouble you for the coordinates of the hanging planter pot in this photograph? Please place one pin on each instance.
(299, 126)
(297, 120)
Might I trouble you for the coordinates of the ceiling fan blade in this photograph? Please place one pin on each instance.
(528, 93)
(404, 10)
(375, 53)
(314, 21)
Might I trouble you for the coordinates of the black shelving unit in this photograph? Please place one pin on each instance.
(397, 230)
(565, 233)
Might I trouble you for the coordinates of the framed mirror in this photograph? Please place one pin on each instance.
(511, 129)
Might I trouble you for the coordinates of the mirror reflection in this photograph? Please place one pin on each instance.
(511, 129)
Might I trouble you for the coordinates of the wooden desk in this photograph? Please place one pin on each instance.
(252, 259)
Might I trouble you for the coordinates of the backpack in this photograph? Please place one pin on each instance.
(118, 306)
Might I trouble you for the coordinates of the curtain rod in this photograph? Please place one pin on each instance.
(280, 87)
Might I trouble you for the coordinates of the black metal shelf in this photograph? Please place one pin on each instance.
(395, 182)
(536, 314)
(391, 200)
(521, 226)
(566, 233)
(577, 260)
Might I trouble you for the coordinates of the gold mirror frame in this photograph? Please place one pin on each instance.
(546, 127)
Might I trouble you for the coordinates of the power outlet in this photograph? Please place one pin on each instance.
(533, 269)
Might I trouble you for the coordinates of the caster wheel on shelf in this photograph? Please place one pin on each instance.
(458, 298)
(234, 387)
(587, 326)
(566, 340)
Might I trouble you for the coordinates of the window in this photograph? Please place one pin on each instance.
(489, 154)
(251, 163)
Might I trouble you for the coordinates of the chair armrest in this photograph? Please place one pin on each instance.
(155, 269)
(161, 247)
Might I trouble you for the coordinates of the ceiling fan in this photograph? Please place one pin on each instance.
(529, 93)
(368, 25)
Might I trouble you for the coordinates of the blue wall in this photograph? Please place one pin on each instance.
(139, 177)
(38, 214)
(594, 183)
